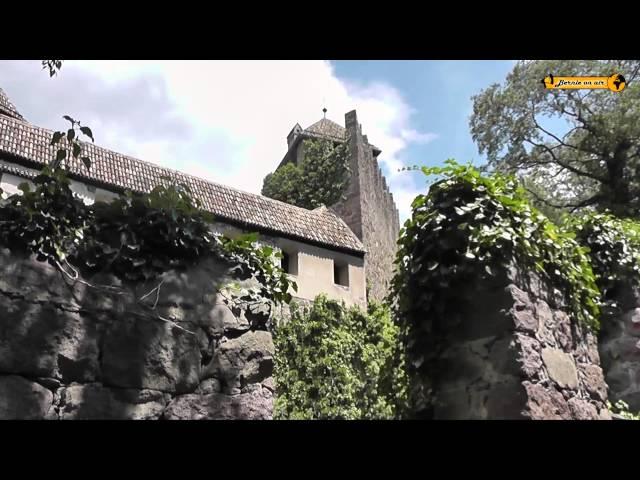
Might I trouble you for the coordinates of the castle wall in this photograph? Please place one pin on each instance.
(71, 352)
(369, 210)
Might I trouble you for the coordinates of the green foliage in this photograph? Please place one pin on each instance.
(464, 231)
(614, 249)
(48, 221)
(257, 261)
(338, 363)
(595, 161)
(285, 185)
(70, 139)
(136, 237)
(320, 179)
(621, 408)
(53, 66)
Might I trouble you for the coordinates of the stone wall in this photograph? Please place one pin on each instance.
(514, 353)
(369, 210)
(620, 347)
(71, 352)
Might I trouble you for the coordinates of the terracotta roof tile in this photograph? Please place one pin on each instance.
(7, 108)
(21, 141)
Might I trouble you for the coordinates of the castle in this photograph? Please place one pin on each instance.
(344, 251)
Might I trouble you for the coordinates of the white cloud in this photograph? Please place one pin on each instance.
(239, 113)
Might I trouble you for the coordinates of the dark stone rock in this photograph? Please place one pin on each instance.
(208, 386)
(594, 382)
(21, 399)
(544, 313)
(246, 406)
(44, 341)
(219, 318)
(563, 329)
(631, 321)
(530, 359)
(95, 402)
(50, 383)
(545, 403)
(525, 320)
(582, 410)
(149, 354)
(506, 400)
(270, 384)
(503, 357)
(243, 360)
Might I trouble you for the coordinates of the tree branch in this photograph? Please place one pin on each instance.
(569, 167)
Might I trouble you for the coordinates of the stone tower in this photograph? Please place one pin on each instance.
(368, 207)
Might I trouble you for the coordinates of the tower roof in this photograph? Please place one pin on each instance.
(8, 108)
(326, 128)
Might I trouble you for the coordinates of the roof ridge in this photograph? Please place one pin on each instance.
(23, 140)
(8, 108)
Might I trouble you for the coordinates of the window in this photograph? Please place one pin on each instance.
(289, 262)
(341, 274)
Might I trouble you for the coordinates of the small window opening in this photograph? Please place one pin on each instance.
(289, 262)
(341, 274)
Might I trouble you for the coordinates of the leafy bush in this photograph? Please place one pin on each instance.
(334, 362)
(320, 179)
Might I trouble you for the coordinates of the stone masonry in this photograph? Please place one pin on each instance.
(369, 210)
(71, 352)
(514, 353)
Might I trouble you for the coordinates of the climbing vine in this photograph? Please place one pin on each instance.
(614, 250)
(321, 178)
(137, 237)
(334, 362)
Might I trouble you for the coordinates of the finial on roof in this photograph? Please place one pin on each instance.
(324, 111)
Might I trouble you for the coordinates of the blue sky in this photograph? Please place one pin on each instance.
(227, 121)
(440, 93)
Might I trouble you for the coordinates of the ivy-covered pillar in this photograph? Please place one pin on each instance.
(500, 307)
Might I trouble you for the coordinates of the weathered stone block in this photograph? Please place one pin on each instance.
(150, 354)
(256, 405)
(545, 403)
(243, 360)
(561, 367)
(21, 399)
(95, 402)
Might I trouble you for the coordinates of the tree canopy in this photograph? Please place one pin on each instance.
(594, 161)
(319, 179)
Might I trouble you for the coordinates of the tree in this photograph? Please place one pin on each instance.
(320, 179)
(595, 163)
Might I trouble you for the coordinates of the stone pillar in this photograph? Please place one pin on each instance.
(620, 347)
(515, 353)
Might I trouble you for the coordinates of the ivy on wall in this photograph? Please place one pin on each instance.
(614, 250)
(321, 178)
(136, 237)
(334, 362)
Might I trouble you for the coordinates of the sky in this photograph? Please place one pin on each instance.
(227, 121)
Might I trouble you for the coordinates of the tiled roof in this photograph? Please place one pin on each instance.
(329, 129)
(23, 142)
(7, 107)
